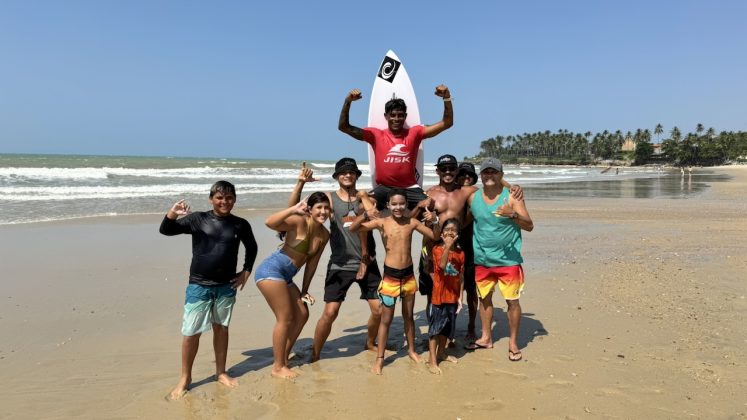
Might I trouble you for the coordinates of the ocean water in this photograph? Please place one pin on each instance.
(35, 188)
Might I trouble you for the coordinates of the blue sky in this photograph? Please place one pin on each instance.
(237, 79)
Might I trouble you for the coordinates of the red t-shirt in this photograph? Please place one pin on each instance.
(396, 157)
(446, 286)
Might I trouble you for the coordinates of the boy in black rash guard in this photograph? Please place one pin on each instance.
(213, 280)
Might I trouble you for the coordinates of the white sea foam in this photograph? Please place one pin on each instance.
(83, 174)
(49, 193)
(61, 193)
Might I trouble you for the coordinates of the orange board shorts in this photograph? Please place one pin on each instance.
(391, 288)
(510, 280)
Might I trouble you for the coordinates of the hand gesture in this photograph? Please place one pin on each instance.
(517, 192)
(449, 240)
(442, 91)
(426, 203)
(180, 208)
(307, 298)
(239, 281)
(429, 217)
(301, 209)
(354, 95)
(506, 210)
(306, 175)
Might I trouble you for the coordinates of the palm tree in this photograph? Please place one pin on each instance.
(646, 136)
(658, 130)
(675, 134)
(699, 128)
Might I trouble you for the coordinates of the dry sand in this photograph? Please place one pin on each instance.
(634, 308)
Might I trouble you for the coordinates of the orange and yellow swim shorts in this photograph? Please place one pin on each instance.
(510, 280)
(395, 284)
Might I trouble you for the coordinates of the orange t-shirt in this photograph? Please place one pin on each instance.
(446, 282)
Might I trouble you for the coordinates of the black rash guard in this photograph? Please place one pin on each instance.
(215, 245)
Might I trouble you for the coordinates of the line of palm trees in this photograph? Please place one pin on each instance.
(703, 147)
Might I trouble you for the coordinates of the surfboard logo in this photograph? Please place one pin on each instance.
(388, 69)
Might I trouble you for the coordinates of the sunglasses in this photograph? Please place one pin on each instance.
(447, 168)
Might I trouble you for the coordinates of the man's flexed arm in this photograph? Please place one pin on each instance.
(344, 123)
(448, 120)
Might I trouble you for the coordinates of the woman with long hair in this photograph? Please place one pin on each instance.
(305, 239)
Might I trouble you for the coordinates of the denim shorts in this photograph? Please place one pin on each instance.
(276, 267)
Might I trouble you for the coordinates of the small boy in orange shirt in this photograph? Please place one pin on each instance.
(448, 286)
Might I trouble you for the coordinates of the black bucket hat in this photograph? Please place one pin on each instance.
(344, 165)
(466, 168)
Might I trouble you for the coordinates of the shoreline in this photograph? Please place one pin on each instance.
(633, 308)
(547, 190)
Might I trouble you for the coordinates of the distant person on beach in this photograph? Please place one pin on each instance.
(305, 239)
(396, 148)
(498, 221)
(353, 257)
(399, 276)
(448, 200)
(213, 280)
(448, 286)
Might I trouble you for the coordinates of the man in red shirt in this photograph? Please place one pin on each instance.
(396, 148)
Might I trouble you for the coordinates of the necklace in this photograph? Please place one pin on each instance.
(350, 204)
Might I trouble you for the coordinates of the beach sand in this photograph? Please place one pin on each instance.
(634, 308)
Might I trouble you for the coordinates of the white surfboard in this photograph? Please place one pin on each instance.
(392, 81)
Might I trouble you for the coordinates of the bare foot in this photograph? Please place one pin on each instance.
(225, 379)
(378, 365)
(434, 369)
(181, 388)
(371, 346)
(414, 356)
(283, 373)
(447, 358)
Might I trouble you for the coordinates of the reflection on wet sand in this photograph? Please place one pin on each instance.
(671, 185)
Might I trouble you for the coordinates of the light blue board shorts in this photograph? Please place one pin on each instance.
(205, 306)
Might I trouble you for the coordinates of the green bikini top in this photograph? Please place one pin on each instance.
(303, 246)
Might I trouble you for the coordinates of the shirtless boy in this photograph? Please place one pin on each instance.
(399, 278)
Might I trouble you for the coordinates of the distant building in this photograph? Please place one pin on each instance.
(628, 145)
(657, 149)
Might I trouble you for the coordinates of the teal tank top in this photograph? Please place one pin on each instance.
(496, 239)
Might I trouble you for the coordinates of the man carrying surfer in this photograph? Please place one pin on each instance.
(396, 148)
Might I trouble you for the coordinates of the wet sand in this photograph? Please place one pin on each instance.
(634, 308)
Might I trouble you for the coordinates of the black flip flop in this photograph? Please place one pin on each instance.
(474, 345)
(512, 355)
